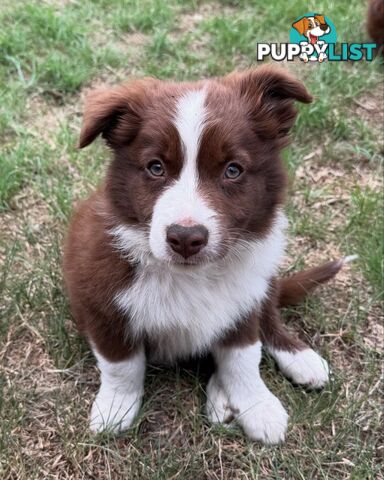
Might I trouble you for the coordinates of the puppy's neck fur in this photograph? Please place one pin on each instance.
(194, 305)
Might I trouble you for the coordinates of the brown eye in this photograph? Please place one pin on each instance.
(233, 171)
(156, 168)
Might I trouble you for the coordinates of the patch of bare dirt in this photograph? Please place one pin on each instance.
(190, 20)
(59, 4)
(45, 118)
(370, 107)
(123, 42)
(330, 188)
(29, 216)
(374, 334)
(46, 395)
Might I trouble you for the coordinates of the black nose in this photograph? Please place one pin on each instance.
(324, 27)
(187, 241)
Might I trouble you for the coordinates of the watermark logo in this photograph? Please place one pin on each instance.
(313, 33)
(313, 38)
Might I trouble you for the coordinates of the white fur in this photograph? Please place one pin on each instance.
(182, 203)
(185, 309)
(254, 407)
(217, 407)
(131, 242)
(349, 258)
(119, 398)
(304, 367)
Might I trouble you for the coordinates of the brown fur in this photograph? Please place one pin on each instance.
(92, 271)
(301, 25)
(375, 22)
(294, 289)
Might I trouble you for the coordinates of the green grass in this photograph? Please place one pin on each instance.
(51, 53)
(367, 239)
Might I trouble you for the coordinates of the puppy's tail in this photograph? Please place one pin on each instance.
(293, 289)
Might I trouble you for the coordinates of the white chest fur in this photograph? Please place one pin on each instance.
(183, 311)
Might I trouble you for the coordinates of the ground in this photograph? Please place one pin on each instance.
(52, 53)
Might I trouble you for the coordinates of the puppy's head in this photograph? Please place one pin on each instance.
(196, 165)
(312, 27)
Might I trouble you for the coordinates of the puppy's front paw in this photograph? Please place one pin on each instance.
(304, 367)
(113, 411)
(217, 407)
(265, 419)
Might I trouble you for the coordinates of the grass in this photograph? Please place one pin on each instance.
(51, 53)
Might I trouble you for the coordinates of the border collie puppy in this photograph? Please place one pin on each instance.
(176, 253)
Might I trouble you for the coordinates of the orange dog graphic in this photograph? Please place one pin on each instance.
(312, 28)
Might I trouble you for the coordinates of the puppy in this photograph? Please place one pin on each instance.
(312, 28)
(176, 253)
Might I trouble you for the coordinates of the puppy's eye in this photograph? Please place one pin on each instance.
(155, 168)
(233, 171)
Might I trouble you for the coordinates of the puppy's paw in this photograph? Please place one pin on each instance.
(113, 411)
(265, 419)
(304, 367)
(217, 407)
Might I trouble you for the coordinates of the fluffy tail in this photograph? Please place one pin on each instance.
(293, 289)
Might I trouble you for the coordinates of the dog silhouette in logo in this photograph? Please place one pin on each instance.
(312, 28)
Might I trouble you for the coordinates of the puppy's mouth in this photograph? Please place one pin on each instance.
(194, 261)
(313, 38)
(219, 253)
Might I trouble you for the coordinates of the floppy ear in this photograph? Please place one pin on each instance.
(321, 19)
(269, 93)
(301, 25)
(115, 113)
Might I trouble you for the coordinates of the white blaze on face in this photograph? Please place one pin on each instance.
(181, 203)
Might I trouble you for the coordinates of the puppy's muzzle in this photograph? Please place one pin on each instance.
(187, 241)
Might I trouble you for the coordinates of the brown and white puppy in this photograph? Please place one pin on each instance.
(175, 255)
(312, 27)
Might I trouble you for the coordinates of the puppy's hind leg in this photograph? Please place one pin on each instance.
(295, 359)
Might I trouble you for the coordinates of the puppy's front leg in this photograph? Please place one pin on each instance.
(121, 390)
(255, 408)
